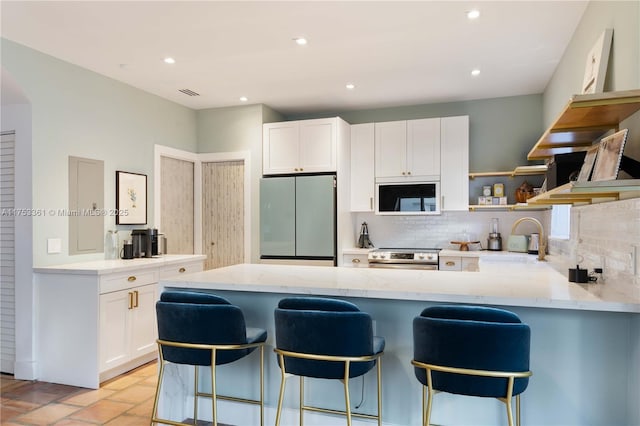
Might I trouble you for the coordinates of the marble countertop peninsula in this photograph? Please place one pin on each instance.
(510, 280)
(107, 266)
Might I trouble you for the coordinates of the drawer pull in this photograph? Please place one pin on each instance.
(356, 260)
(181, 270)
(135, 295)
(132, 278)
(451, 263)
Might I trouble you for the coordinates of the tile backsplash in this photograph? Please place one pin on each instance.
(440, 230)
(607, 236)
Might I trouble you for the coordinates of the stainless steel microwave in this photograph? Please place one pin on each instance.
(410, 198)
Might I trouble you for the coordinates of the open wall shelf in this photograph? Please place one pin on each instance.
(585, 120)
(589, 192)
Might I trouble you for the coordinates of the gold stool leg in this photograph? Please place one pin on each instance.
(195, 396)
(214, 407)
(261, 385)
(518, 410)
(301, 401)
(507, 401)
(379, 362)
(347, 365)
(429, 398)
(154, 414)
(282, 382)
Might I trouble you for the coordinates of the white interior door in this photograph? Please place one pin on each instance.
(223, 213)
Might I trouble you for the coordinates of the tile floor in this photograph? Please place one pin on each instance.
(125, 400)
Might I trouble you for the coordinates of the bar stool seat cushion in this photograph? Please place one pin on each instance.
(190, 317)
(325, 327)
(472, 337)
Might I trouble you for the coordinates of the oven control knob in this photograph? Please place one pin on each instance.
(374, 256)
(382, 256)
(421, 256)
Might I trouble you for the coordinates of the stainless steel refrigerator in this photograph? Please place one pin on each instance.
(298, 219)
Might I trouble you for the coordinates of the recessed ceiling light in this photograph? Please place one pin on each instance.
(169, 60)
(300, 41)
(243, 99)
(475, 72)
(473, 14)
(350, 86)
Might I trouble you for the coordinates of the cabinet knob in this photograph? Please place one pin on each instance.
(408, 173)
(301, 169)
(181, 270)
(132, 278)
(403, 173)
(356, 260)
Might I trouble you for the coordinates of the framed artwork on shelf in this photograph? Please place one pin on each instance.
(596, 67)
(587, 166)
(609, 156)
(131, 198)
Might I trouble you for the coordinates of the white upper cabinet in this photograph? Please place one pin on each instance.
(391, 149)
(408, 149)
(306, 146)
(362, 167)
(423, 147)
(454, 180)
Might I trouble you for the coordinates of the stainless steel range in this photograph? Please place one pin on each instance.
(405, 258)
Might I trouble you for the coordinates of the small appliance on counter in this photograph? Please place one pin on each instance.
(494, 242)
(127, 250)
(363, 239)
(145, 242)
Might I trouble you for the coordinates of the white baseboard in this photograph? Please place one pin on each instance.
(25, 370)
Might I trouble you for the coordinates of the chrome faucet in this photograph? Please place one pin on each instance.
(542, 246)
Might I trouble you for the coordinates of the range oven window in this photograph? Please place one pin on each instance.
(412, 198)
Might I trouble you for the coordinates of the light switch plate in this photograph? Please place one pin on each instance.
(54, 245)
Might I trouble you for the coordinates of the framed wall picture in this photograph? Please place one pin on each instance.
(131, 198)
(596, 68)
(609, 156)
(587, 166)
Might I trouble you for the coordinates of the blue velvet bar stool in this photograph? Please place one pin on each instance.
(328, 339)
(471, 350)
(203, 329)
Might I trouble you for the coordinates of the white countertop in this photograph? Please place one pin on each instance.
(524, 282)
(107, 266)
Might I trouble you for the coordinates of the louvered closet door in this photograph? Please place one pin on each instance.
(176, 204)
(223, 213)
(7, 253)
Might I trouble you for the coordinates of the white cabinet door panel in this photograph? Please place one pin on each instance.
(143, 322)
(454, 182)
(362, 167)
(423, 147)
(114, 329)
(280, 148)
(391, 149)
(317, 148)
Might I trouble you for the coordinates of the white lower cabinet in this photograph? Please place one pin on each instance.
(128, 327)
(97, 320)
(355, 260)
(459, 263)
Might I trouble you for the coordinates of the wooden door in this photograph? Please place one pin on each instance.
(223, 213)
(177, 204)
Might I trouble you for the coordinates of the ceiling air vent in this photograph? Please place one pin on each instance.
(189, 92)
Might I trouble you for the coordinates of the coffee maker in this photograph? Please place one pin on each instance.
(145, 242)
